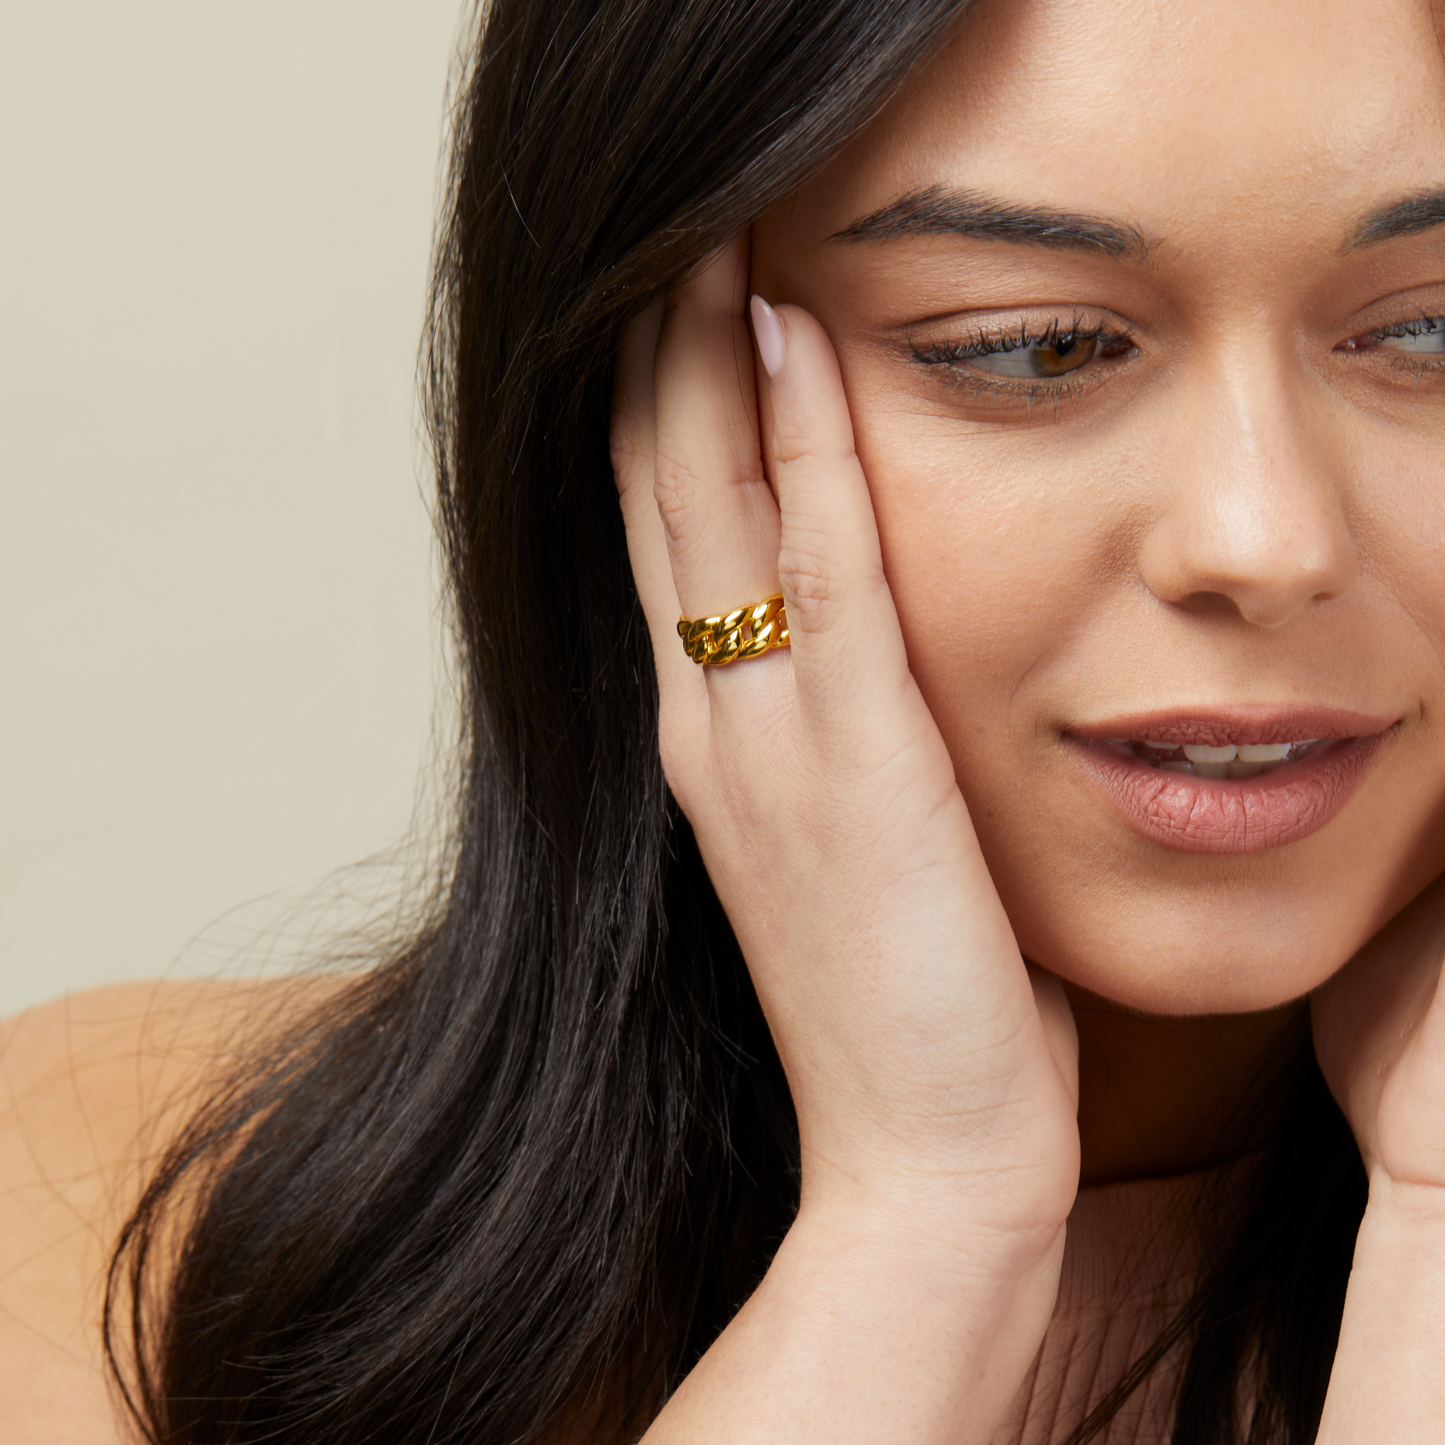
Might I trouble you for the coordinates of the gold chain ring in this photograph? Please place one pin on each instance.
(747, 632)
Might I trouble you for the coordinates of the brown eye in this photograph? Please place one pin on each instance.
(1056, 358)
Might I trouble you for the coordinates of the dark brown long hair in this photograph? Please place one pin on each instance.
(509, 1184)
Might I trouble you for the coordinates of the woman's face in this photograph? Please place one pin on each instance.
(1147, 385)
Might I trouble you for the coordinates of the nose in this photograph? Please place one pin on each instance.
(1254, 516)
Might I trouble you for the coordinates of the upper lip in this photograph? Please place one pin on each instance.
(1247, 723)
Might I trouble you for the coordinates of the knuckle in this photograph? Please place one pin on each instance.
(675, 489)
(687, 497)
(793, 449)
(809, 579)
(801, 446)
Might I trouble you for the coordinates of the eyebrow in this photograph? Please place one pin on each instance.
(1406, 217)
(947, 211)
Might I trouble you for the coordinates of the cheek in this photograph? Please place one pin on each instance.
(996, 555)
(1013, 563)
(1399, 526)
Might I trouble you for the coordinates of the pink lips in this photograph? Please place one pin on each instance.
(1247, 815)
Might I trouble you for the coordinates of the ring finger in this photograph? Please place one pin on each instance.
(719, 513)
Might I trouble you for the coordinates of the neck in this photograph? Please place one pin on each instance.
(1163, 1096)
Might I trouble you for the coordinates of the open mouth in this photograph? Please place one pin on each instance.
(1226, 784)
(1230, 760)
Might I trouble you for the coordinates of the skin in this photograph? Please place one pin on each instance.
(1210, 522)
(1241, 513)
(1240, 507)
(91, 1090)
(1243, 509)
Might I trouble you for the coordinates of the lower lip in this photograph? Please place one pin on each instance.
(1226, 815)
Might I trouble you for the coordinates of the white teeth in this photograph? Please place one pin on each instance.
(1233, 760)
(1235, 769)
(1199, 753)
(1264, 752)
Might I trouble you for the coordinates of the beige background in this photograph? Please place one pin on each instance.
(217, 643)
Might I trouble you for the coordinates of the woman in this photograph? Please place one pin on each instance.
(1090, 430)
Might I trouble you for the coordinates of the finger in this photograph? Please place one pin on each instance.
(1060, 1029)
(844, 628)
(1366, 1014)
(719, 515)
(634, 464)
(633, 443)
(633, 450)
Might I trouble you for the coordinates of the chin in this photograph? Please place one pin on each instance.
(1172, 931)
(1222, 955)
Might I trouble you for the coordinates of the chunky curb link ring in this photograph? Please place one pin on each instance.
(747, 632)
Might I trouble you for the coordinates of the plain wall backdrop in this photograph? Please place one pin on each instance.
(218, 637)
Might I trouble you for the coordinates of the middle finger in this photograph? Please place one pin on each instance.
(719, 513)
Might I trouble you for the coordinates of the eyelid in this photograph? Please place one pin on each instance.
(1029, 317)
(1425, 298)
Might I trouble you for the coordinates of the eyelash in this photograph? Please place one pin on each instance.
(952, 356)
(1419, 366)
(1422, 325)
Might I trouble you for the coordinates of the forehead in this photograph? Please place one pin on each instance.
(1184, 117)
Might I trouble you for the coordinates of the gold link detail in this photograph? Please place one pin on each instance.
(744, 632)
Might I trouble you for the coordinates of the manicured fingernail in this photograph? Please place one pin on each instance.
(769, 331)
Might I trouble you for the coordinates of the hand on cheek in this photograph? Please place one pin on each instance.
(820, 790)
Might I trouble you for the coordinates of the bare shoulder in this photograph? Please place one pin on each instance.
(91, 1089)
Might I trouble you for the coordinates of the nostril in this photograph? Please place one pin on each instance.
(1265, 607)
(1210, 604)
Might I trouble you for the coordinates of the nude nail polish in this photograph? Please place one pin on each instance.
(769, 332)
